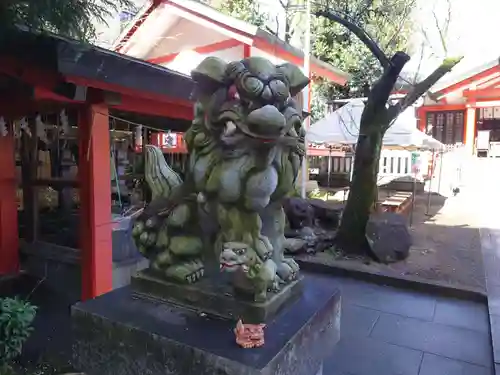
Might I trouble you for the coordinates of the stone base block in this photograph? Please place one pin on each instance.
(116, 334)
(214, 296)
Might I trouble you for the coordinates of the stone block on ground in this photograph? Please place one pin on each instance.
(389, 237)
(327, 213)
(115, 335)
(299, 212)
(302, 213)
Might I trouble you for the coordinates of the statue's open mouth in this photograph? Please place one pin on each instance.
(230, 265)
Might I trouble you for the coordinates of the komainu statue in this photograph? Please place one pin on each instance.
(245, 146)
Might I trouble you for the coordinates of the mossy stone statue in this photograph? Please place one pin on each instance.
(245, 147)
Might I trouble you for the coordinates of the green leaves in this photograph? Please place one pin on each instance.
(245, 10)
(16, 317)
(388, 22)
(70, 18)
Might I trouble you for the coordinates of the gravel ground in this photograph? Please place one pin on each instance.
(446, 246)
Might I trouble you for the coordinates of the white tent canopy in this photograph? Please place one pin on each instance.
(342, 127)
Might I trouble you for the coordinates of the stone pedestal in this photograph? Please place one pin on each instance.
(116, 334)
(214, 296)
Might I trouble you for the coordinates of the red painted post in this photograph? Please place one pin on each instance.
(9, 236)
(421, 113)
(95, 201)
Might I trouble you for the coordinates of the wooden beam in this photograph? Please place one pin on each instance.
(9, 236)
(470, 129)
(123, 46)
(444, 107)
(262, 44)
(247, 51)
(482, 94)
(421, 118)
(462, 84)
(95, 200)
(174, 110)
(489, 83)
(125, 91)
(29, 169)
(37, 77)
(202, 50)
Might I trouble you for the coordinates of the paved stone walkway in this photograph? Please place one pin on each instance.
(384, 331)
(387, 331)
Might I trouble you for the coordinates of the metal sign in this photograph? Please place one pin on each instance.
(313, 170)
(168, 140)
(416, 162)
(483, 139)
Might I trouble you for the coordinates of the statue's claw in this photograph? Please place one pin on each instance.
(188, 272)
(275, 286)
(288, 270)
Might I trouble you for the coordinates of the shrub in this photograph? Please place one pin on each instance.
(16, 317)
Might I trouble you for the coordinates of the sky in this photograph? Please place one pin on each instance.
(473, 32)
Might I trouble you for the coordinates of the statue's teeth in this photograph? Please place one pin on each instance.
(230, 128)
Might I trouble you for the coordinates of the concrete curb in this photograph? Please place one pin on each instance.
(402, 282)
(491, 260)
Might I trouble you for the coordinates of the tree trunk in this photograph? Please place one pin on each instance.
(375, 121)
(363, 189)
(377, 117)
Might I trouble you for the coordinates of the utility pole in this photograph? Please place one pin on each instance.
(307, 72)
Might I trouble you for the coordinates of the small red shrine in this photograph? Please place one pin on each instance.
(460, 107)
(44, 74)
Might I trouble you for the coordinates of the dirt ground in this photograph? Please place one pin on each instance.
(446, 247)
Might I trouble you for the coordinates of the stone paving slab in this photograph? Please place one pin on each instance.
(365, 356)
(463, 314)
(390, 300)
(386, 331)
(490, 247)
(448, 341)
(436, 365)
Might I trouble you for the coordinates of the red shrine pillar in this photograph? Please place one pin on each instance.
(95, 201)
(9, 236)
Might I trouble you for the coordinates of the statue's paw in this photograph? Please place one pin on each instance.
(275, 286)
(292, 264)
(147, 238)
(288, 270)
(260, 297)
(188, 272)
(285, 273)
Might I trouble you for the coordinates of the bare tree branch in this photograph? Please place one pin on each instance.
(406, 13)
(422, 87)
(381, 90)
(441, 33)
(421, 58)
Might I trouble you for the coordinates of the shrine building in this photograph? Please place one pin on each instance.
(466, 110)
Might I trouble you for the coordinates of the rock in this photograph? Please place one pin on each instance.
(307, 233)
(308, 240)
(328, 214)
(294, 245)
(298, 212)
(389, 237)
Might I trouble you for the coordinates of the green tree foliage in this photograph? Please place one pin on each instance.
(388, 22)
(245, 10)
(70, 18)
